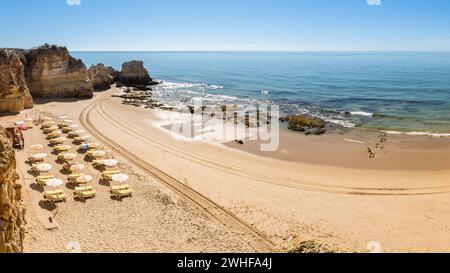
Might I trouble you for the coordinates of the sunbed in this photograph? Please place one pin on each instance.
(40, 180)
(84, 192)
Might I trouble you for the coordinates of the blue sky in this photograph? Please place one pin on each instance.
(309, 25)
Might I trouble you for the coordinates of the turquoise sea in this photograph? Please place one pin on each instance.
(388, 91)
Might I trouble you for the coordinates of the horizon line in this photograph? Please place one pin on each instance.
(287, 51)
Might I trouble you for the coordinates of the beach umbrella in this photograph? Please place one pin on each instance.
(43, 167)
(54, 183)
(58, 140)
(73, 247)
(62, 148)
(52, 128)
(93, 145)
(69, 156)
(84, 147)
(77, 167)
(55, 134)
(120, 178)
(110, 162)
(37, 147)
(39, 156)
(98, 154)
(84, 179)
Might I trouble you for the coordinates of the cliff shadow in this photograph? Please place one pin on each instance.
(41, 101)
(8, 114)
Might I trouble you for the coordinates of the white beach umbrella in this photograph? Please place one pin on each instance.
(63, 147)
(52, 128)
(54, 183)
(93, 145)
(58, 140)
(37, 147)
(39, 156)
(98, 154)
(77, 167)
(55, 134)
(85, 179)
(43, 167)
(120, 178)
(69, 156)
(110, 162)
(73, 247)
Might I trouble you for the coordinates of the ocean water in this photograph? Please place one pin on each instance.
(386, 91)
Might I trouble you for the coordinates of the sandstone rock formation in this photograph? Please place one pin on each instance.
(12, 213)
(14, 93)
(102, 76)
(305, 123)
(134, 73)
(51, 71)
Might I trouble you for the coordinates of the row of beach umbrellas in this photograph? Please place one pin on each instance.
(54, 131)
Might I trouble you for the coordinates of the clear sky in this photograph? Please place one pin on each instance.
(310, 25)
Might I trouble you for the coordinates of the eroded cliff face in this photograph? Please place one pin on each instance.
(14, 93)
(51, 71)
(12, 212)
(102, 77)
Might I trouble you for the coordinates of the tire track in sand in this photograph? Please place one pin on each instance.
(258, 241)
(270, 179)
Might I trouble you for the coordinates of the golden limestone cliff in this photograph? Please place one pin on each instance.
(14, 93)
(51, 71)
(12, 212)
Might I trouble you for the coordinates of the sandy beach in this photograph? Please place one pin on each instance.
(202, 197)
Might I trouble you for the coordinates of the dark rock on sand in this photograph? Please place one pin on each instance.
(305, 123)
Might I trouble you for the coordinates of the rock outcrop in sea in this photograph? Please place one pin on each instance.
(51, 71)
(134, 73)
(12, 212)
(14, 93)
(102, 77)
(305, 123)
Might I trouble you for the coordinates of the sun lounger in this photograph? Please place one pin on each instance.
(73, 178)
(120, 187)
(122, 193)
(40, 180)
(54, 192)
(62, 148)
(107, 175)
(53, 198)
(84, 192)
(34, 160)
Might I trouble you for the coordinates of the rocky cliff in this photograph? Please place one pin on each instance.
(12, 213)
(51, 71)
(14, 93)
(102, 76)
(134, 73)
